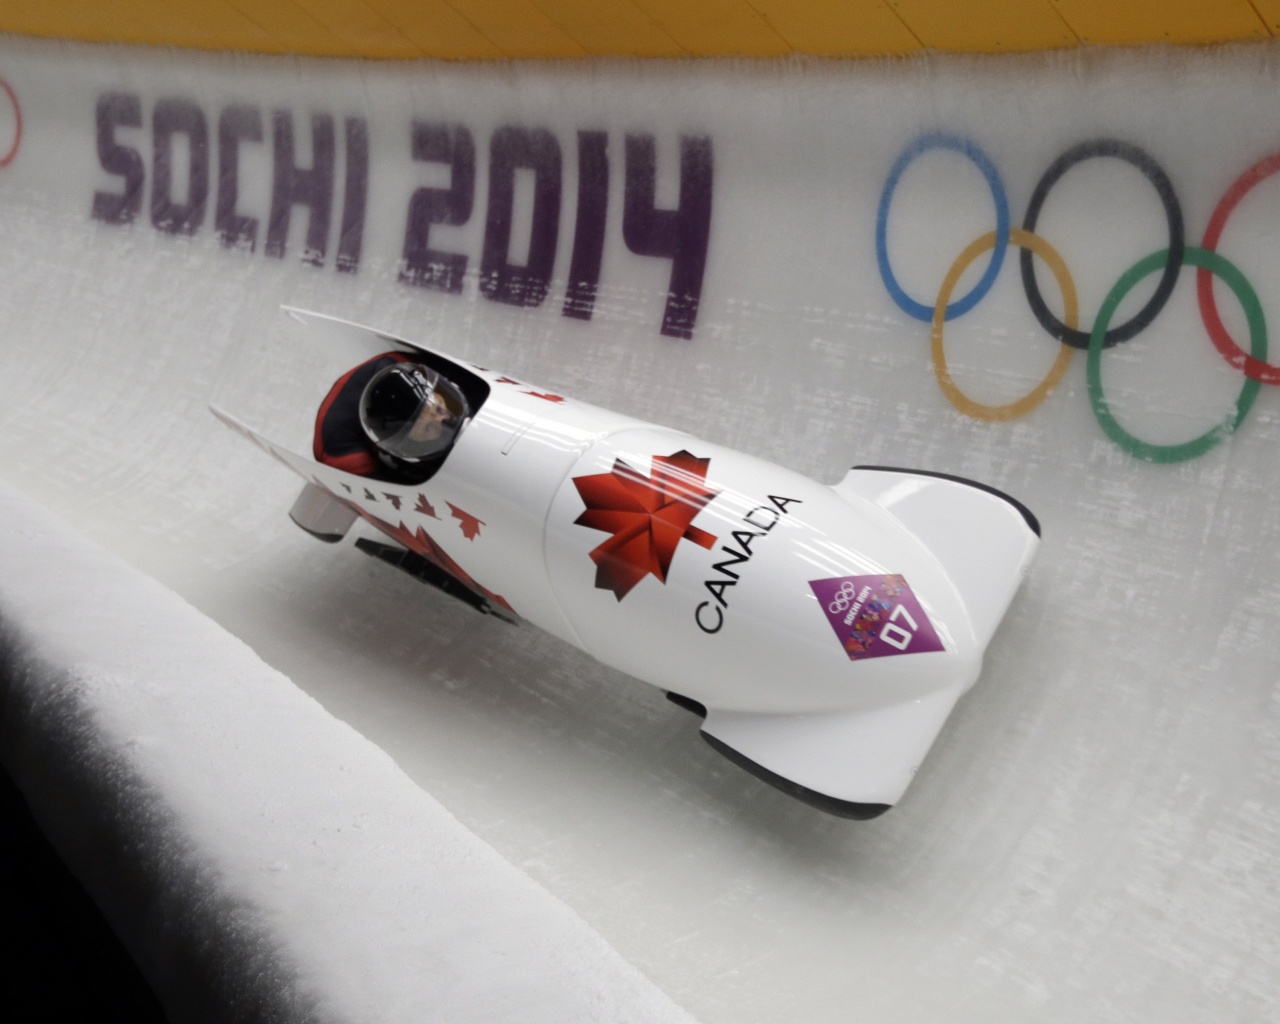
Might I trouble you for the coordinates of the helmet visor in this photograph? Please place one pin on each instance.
(411, 412)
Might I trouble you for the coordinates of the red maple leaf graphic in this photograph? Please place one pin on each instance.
(393, 498)
(647, 517)
(469, 523)
(507, 380)
(423, 506)
(548, 397)
(420, 542)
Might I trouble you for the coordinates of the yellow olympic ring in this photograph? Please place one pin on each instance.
(996, 413)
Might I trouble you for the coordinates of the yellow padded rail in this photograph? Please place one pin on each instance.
(494, 29)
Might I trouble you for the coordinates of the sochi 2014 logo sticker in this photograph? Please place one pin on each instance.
(875, 616)
(646, 517)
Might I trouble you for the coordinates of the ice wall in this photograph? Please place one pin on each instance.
(262, 860)
(1096, 832)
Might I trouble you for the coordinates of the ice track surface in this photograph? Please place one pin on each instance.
(1096, 834)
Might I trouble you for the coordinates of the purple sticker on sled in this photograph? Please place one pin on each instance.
(876, 616)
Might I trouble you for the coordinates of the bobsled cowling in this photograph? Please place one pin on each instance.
(826, 631)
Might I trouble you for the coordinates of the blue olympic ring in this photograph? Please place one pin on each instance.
(970, 149)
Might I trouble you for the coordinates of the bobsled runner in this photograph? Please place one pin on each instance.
(823, 632)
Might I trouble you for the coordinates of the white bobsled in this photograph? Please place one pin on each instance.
(824, 633)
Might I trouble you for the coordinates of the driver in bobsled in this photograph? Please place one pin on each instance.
(390, 419)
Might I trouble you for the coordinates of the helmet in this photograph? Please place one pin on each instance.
(411, 412)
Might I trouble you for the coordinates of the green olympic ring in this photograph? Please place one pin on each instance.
(1227, 271)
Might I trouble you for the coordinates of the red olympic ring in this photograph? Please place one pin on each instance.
(1253, 368)
(7, 159)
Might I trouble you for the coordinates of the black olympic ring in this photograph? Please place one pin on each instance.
(1140, 159)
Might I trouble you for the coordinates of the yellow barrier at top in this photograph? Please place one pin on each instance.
(495, 29)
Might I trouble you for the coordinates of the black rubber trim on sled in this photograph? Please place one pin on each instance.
(328, 538)
(428, 572)
(830, 804)
(1025, 512)
(688, 703)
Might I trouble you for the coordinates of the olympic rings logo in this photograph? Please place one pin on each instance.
(6, 158)
(843, 598)
(1167, 263)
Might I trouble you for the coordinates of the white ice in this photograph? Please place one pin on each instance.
(261, 858)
